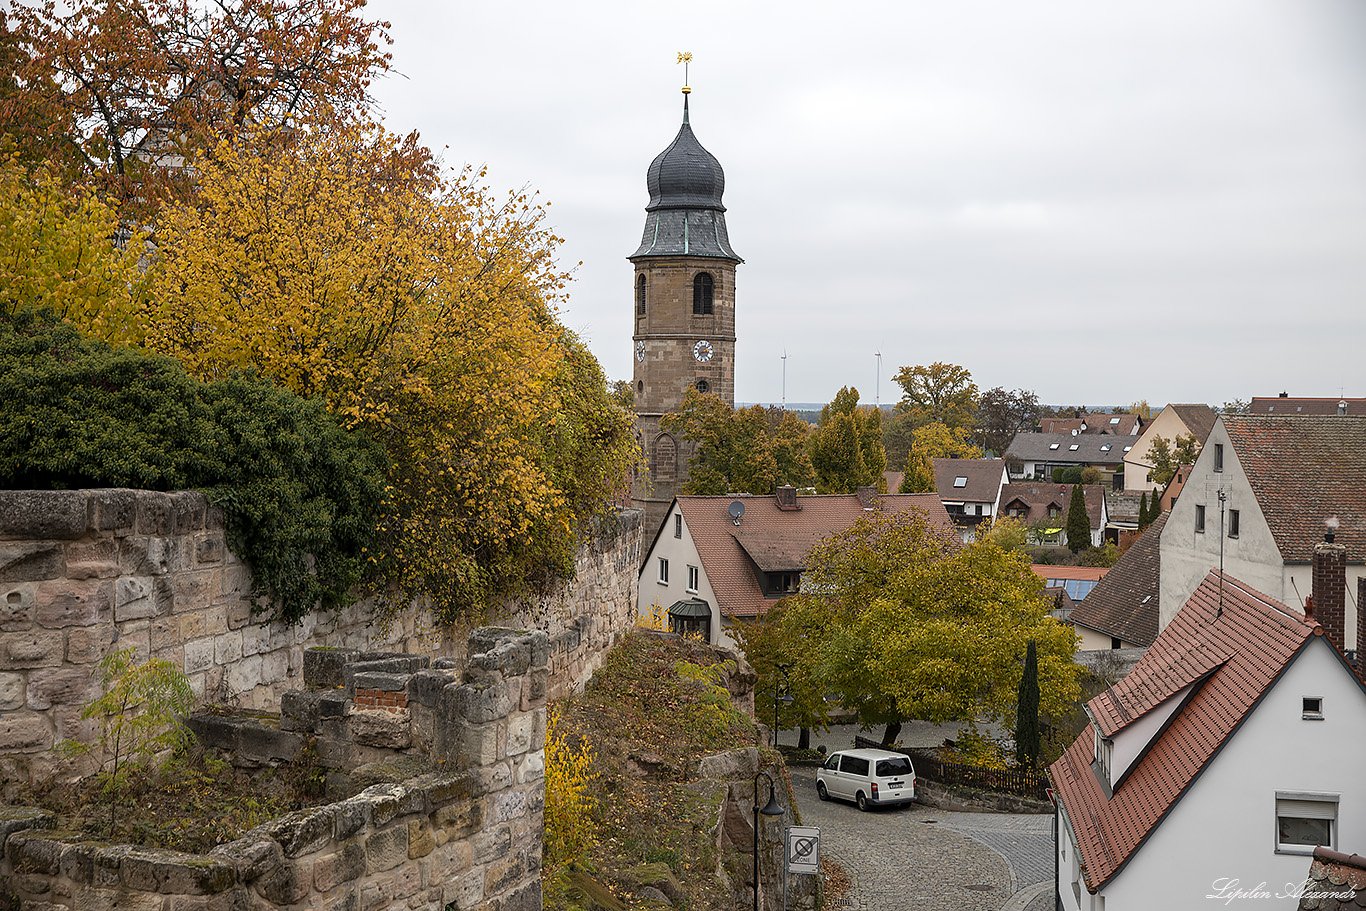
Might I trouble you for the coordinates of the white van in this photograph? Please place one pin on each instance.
(870, 778)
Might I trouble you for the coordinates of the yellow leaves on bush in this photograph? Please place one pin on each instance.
(423, 310)
(58, 250)
(570, 771)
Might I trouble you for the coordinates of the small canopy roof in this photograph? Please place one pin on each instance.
(690, 607)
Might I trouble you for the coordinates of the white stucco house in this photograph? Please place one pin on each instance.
(708, 567)
(1265, 489)
(1227, 754)
(1171, 422)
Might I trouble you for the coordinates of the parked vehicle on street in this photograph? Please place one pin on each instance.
(870, 778)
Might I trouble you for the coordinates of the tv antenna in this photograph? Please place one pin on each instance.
(784, 381)
(877, 390)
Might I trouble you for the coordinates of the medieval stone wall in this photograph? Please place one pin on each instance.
(463, 834)
(83, 572)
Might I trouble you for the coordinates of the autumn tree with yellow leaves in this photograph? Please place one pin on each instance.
(422, 310)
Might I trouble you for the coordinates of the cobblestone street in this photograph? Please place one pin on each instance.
(917, 857)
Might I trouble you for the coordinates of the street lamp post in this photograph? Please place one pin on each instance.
(787, 696)
(772, 808)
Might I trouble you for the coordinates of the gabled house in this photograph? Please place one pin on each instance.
(1173, 421)
(1263, 490)
(712, 563)
(1122, 610)
(1298, 407)
(1037, 454)
(1039, 505)
(1222, 755)
(970, 490)
(1094, 422)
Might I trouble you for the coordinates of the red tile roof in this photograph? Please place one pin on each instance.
(1198, 418)
(1304, 472)
(1301, 406)
(772, 540)
(1233, 656)
(1125, 602)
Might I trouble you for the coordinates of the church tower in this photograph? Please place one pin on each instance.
(684, 308)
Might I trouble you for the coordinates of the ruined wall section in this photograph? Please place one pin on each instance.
(465, 835)
(83, 572)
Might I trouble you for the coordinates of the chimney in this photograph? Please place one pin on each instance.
(867, 497)
(1329, 588)
(787, 498)
(1309, 608)
(1342, 408)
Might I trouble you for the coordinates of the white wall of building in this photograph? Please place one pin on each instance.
(1136, 462)
(1224, 828)
(681, 553)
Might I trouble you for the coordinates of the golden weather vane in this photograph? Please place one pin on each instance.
(685, 57)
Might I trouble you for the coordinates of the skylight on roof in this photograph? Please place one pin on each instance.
(1052, 445)
(1127, 448)
(960, 482)
(1114, 420)
(1104, 447)
(1074, 447)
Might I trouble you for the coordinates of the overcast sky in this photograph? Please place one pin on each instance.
(1101, 202)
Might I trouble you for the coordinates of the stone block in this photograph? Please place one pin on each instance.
(302, 832)
(449, 859)
(193, 625)
(134, 598)
(386, 849)
(388, 730)
(163, 633)
(371, 680)
(243, 675)
(426, 686)
(88, 644)
(17, 610)
(275, 666)
(42, 514)
(30, 561)
(384, 800)
(24, 733)
(69, 603)
(259, 741)
(198, 655)
(349, 817)
(420, 840)
(239, 614)
(194, 590)
(59, 686)
(477, 702)
(285, 884)
(228, 647)
(251, 857)
(29, 853)
(465, 892)
(325, 667)
(491, 844)
(531, 769)
(210, 550)
(458, 820)
(409, 880)
(524, 898)
(171, 872)
(234, 583)
(537, 688)
(20, 819)
(255, 638)
(189, 509)
(519, 734)
(141, 556)
(503, 874)
(99, 898)
(111, 509)
(376, 895)
(494, 777)
(507, 805)
(92, 559)
(13, 690)
(331, 870)
(153, 514)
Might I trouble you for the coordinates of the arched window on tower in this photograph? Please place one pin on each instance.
(664, 458)
(640, 296)
(702, 294)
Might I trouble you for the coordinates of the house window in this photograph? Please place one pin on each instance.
(703, 387)
(1233, 523)
(663, 571)
(1114, 642)
(1200, 519)
(692, 578)
(678, 526)
(1313, 708)
(1218, 456)
(702, 294)
(960, 482)
(1053, 512)
(640, 296)
(783, 583)
(1305, 820)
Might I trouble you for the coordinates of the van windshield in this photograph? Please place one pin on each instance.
(886, 768)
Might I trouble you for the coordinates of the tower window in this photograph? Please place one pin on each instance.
(640, 385)
(703, 387)
(702, 294)
(640, 296)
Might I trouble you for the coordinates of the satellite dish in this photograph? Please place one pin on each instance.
(737, 509)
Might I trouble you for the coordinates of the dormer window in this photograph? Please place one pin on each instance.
(702, 285)
(960, 482)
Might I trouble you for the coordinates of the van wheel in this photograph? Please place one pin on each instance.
(863, 803)
(821, 792)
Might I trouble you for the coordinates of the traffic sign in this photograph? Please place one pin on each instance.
(803, 849)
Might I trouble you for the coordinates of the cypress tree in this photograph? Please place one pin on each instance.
(1078, 523)
(1027, 712)
(1143, 519)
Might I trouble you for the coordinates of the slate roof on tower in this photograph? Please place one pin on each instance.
(685, 216)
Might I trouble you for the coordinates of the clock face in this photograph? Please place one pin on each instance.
(640, 352)
(702, 351)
